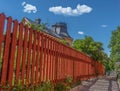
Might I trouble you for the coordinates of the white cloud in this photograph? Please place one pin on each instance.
(104, 26)
(80, 32)
(28, 8)
(23, 3)
(79, 10)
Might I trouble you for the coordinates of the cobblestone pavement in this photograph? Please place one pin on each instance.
(101, 84)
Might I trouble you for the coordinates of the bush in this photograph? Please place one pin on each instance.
(60, 87)
(69, 80)
(47, 86)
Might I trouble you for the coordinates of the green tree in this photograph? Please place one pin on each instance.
(114, 45)
(90, 47)
(38, 27)
(109, 64)
(64, 42)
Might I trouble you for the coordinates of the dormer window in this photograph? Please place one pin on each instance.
(58, 30)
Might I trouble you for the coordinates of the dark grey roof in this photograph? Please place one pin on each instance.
(49, 31)
(63, 34)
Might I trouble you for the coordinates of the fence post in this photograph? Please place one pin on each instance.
(41, 57)
(37, 56)
(7, 40)
(29, 57)
(20, 45)
(33, 59)
(24, 54)
(2, 21)
(12, 54)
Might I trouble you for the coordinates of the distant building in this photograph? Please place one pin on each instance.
(29, 22)
(59, 30)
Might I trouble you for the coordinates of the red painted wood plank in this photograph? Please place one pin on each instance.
(47, 59)
(56, 62)
(44, 61)
(41, 57)
(24, 54)
(37, 56)
(28, 80)
(20, 43)
(53, 61)
(59, 64)
(6, 52)
(2, 21)
(12, 54)
(33, 58)
(50, 60)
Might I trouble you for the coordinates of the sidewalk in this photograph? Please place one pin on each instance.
(105, 85)
(100, 84)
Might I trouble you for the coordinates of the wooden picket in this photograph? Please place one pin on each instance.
(29, 57)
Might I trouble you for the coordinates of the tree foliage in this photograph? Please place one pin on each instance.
(114, 45)
(90, 47)
(64, 42)
(38, 27)
(109, 64)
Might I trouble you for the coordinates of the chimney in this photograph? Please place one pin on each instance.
(37, 21)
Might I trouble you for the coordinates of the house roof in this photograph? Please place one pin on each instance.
(46, 30)
(63, 32)
(49, 31)
(29, 20)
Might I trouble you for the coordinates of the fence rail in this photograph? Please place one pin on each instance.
(29, 57)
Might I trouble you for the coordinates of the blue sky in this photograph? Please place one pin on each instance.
(96, 18)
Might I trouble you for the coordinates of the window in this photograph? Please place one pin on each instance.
(58, 30)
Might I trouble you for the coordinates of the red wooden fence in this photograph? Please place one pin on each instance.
(31, 57)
